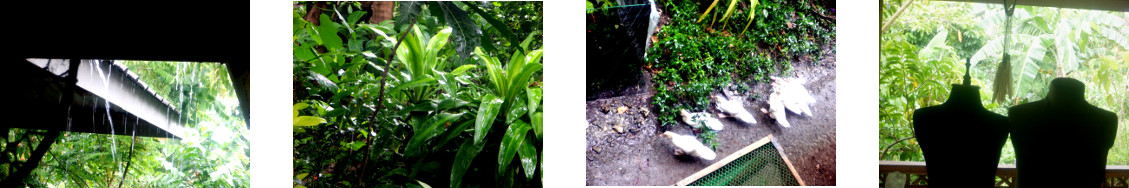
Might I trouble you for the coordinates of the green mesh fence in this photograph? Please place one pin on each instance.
(762, 166)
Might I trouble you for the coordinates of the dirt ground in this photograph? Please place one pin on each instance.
(627, 148)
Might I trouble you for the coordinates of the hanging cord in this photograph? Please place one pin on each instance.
(1003, 85)
(967, 78)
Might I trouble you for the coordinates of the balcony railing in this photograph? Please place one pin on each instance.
(915, 175)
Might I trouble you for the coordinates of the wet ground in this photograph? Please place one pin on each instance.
(625, 147)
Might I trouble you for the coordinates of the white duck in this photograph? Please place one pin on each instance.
(698, 119)
(735, 108)
(688, 145)
(790, 94)
(798, 99)
(776, 109)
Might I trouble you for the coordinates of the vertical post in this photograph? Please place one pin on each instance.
(17, 178)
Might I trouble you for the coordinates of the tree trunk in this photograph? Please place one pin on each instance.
(313, 12)
(381, 10)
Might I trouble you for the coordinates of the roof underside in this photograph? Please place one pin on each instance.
(132, 105)
(1106, 5)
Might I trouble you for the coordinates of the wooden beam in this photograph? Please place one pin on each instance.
(1105, 5)
(132, 105)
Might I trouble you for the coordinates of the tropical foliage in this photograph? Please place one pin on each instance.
(214, 151)
(447, 94)
(925, 48)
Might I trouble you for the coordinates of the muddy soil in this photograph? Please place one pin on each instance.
(626, 148)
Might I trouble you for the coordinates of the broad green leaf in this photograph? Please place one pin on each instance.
(408, 11)
(302, 176)
(452, 103)
(328, 32)
(502, 28)
(528, 154)
(516, 111)
(303, 53)
(325, 83)
(533, 99)
(453, 132)
(424, 81)
(487, 112)
(463, 158)
(931, 50)
(308, 121)
(519, 81)
(299, 106)
(537, 124)
(354, 17)
(313, 32)
(528, 39)
(515, 135)
(462, 69)
(466, 31)
(433, 127)
(436, 43)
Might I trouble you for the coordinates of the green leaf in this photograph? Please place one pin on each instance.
(328, 32)
(452, 133)
(308, 121)
(323, 81)
(299, 106)
(487, 112)
(433, 127)
(516, 112)
(302, 176)
(424, 185)
(528, 154)
(533, 99)
(537, 124)
(408, 11)
(303, 53)
(732, 5)
(425, 81)
(355, 16)
(463, 158)
(502, 28)
(462, 69)
(707, 13)
(466, 31)
(515, 135)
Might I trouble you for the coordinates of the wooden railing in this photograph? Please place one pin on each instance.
(915, 175)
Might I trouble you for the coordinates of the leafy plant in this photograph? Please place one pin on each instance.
(412, 102)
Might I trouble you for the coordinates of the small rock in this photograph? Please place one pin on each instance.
(644, 111)
(621, 109)
(596, 149)
(618, 128)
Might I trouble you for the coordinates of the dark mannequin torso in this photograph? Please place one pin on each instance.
(1062, 139)
(960, 139)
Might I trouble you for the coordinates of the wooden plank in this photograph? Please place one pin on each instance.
(725, 161)
(1104, 5)
(786, 161)
(918, 167)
